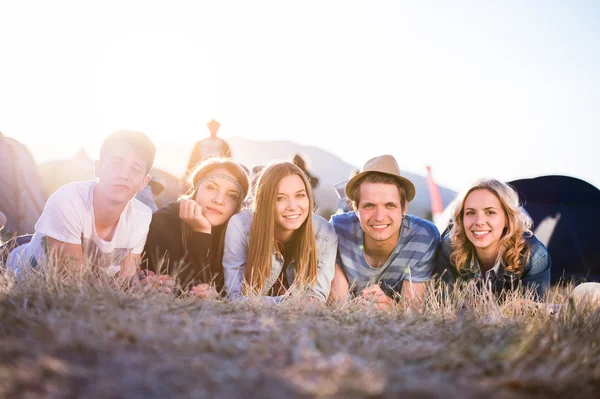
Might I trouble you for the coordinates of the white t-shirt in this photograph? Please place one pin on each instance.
(69, 217)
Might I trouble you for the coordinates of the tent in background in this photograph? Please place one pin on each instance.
(566, 216)
(22, 197)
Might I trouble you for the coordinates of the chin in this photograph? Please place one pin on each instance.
(287, 225)
(121, 198)
(215, 220)
(292, 226)
(480, 244)
(380, 237)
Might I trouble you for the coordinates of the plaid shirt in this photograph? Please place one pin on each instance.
(412, 259)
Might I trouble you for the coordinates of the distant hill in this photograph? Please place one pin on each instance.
(328, 168)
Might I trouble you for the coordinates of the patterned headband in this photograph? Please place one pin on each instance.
(231, 179)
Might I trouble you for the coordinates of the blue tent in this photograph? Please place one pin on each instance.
(566, 216)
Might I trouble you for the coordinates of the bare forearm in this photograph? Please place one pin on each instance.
(62, 254)
(339, 285)
(413, 293)
(129, 266)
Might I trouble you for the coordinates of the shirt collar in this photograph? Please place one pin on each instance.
(496, 268)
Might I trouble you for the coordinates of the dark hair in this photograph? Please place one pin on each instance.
(207, 166)
(138, 140)
(375, 177)
(156, 187)
(298, 160)
(301, 163)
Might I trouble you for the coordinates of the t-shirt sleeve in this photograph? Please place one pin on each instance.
(142, 229)
(62, 218)
(537, 273)
(423, 269)
(327, 254)
(338, 258)
(234, 257)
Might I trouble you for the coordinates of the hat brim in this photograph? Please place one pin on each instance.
(408, 186)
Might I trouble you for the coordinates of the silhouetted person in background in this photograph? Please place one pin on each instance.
(344, 203)
(301, 163)
(212, 146)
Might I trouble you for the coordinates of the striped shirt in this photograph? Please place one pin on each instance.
(412, 259)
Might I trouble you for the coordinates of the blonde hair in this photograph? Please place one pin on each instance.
(262, 235)
(514, 249)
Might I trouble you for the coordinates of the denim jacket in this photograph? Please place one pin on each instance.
(536, 272)
(237, 238)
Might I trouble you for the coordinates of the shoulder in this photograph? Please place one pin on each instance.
(242, 220)
(344, 221)
(322, 226)
(168, 212)
(172, 208)
(77, 191)
(445, 243)
(138, 211)
(537, 249)
(245, 216)
(422, 227)
(70, 200)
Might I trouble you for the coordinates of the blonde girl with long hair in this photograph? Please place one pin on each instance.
(491, 240)
(279, 246)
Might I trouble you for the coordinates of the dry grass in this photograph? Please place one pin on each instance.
(86, 337)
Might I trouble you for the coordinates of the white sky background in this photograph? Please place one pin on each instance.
(504, 89)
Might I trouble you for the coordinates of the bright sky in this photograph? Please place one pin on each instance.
(507, 89)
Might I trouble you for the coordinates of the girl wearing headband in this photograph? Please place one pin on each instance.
(491, 240)
(280, 246)
(186, 237)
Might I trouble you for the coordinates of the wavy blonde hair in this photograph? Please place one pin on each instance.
(514, 249)
(262, 235)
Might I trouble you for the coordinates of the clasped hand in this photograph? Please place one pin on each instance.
(191, 214)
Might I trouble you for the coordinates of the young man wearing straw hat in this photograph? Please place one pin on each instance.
(382, 250)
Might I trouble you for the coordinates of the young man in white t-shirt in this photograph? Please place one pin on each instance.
(97, 222)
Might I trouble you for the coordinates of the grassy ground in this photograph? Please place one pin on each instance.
(87, 338)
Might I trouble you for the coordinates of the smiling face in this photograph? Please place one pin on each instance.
(291, 206)
(380, 212)
(121, 173)
(219, 197)
(484, 221)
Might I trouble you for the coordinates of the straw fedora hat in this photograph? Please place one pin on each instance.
(387, 165)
